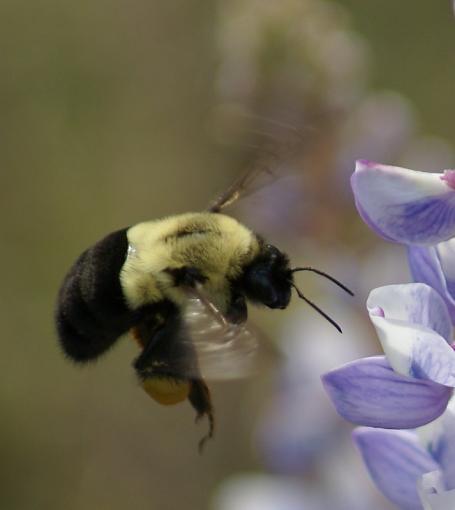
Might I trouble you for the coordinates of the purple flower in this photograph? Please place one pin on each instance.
(404, 205)
(435, 266)
(413, 470)
(439, 439)
(417, 209)
(433, 494)
(413, 326)
(368, 392)
(412, 385)
(396, 462)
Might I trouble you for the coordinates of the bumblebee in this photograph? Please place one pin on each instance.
(180, 285)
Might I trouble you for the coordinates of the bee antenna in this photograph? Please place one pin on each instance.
(301, 296)
(331, 278)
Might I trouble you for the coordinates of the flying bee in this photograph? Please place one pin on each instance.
(180, 285)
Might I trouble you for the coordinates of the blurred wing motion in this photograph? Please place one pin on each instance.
(269, 160)
(223, 350)
(243, 186)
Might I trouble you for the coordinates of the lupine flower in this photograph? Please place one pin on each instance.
(407, 388)
(417, 209)
(395, 461)
(404, 205)
(413, 383)
(432, 493)
(439, 439)
(414, 470)
(434, 265)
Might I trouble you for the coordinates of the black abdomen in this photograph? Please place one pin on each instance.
(91, 311)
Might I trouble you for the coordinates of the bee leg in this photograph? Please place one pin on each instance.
(164, 364)
(237, 311)
(164, 344)
(186, 276)
(199, 398)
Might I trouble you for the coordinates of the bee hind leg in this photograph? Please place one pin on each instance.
(201, 401)
(161, 366)
(168, 369)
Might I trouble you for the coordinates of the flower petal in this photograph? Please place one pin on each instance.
(368, 392)
(440, 442)
(404, 205)
(446, 252)
(410, 320)
(435, 266)
(411, 303)
(396, 462)
(433, 494)
(416, 352)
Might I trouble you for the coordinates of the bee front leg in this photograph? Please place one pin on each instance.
(237, 311)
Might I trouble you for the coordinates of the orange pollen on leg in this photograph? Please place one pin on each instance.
(166, 391)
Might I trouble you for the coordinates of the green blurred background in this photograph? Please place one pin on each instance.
(109, 115)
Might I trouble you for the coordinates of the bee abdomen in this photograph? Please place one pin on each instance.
(91, 310)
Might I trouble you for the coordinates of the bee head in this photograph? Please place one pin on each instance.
(268, 278)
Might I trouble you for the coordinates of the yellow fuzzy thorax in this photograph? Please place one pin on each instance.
(218, 245)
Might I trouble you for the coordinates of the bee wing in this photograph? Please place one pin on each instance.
(223, 350)
(237, 189)
(271, 154)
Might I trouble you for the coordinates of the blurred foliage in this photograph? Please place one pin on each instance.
(115, 112)
(412, 48)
